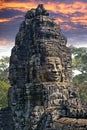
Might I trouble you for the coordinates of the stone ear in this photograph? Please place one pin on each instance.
(61, 79)
(42, 76)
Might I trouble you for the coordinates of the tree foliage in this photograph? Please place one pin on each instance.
(4, 82)
(4, 63)
(80, 59)
(3, 94)
(79, 62)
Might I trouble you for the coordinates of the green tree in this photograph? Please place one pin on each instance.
(79, 62)
(3, 94)
(80, 59)
(4, 82)
(4, 63)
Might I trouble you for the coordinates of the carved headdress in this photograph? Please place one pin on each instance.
(46, 41)
(39, 37)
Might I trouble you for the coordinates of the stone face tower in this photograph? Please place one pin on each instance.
(41, 76)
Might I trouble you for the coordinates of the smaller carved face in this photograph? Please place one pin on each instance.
(53, 68)
(37, 112)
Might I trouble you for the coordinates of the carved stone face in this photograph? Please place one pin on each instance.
(37, 112)
(53, 68)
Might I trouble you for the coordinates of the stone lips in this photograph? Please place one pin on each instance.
(42, 96)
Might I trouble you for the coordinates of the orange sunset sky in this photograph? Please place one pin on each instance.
(71, 15)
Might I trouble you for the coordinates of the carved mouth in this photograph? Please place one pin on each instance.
(54, 76)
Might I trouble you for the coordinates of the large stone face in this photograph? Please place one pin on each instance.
(41, 94)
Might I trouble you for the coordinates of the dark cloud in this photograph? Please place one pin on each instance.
(8, 13)
(45, 1)
(83, 1)
(76, 14)
(58, 1)
(9, 30)
(67, 1)
(70, 1)
(17, 0)
(8, 0)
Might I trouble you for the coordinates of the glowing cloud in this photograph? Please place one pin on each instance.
(2, 20)
(4, 42)
(22, 6)
(55, 7)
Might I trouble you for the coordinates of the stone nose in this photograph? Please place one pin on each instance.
(54, 69)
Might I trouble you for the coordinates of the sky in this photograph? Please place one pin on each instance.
(71, 15)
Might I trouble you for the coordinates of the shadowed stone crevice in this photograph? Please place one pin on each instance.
(41, 96)
(6, 121)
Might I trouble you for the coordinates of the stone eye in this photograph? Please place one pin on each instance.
(57, 65)
(49, 66)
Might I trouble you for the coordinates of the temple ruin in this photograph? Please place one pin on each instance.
(42, 96)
